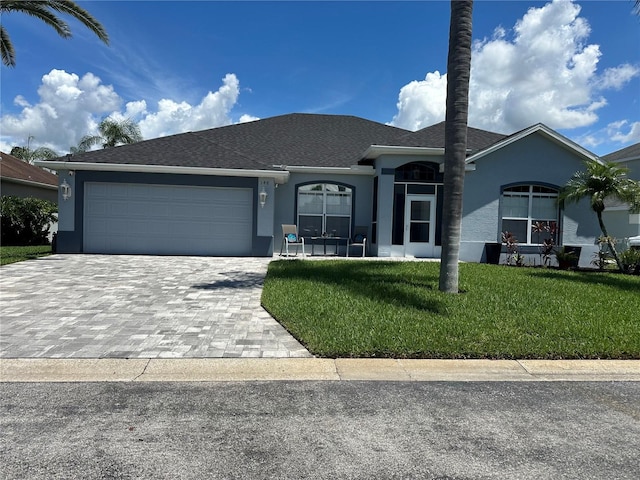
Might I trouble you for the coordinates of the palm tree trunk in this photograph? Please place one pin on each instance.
(455, 150)
(610, 243)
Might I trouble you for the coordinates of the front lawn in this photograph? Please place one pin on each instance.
(394, 309)
(18, 254)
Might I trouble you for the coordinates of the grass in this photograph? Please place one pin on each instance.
(18, 254)
(394, 309)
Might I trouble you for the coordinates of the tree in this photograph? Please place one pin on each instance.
(28, 155)
(602, 181)
(46, 10)
(111, 133)
(455, 139)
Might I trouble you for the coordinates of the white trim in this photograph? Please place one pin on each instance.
(279, 177)
(552, 134)
(30, 183)
(353, 170)
(469, 167)
(374, 151)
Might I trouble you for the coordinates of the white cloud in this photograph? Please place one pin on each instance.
(617, 77)
(422, 103)
(624, 131)
(70, 107)
(543, 73)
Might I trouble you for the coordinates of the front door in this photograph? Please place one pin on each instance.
(419, 228)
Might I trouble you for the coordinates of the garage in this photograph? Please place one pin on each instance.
(130, 218)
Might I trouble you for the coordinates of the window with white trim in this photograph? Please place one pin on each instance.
(324, 209)
(530, 213)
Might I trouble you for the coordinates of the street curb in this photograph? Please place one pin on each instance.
(312, 369)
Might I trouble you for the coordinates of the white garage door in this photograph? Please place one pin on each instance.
(167, 219)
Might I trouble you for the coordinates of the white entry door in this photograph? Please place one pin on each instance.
(419, 228)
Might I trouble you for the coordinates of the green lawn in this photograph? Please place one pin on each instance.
(18, 254)
(394, 309)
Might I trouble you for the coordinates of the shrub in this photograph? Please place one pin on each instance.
(25, 221)
(631, 261)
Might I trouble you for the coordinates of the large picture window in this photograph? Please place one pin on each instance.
(324, 209)
(530, 213)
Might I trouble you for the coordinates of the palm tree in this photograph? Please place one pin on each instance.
(455, 139)
(28, 155)
(46, 10)
(602, 181)
(111, 133)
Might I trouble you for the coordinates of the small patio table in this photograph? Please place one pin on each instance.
(324, 239)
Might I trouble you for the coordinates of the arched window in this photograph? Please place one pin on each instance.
(415, 172)
(530, 213)
(324, 208)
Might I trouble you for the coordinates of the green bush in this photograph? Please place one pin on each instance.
(25, 221)
(631, 261)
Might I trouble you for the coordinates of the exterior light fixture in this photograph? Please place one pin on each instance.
(262, 197)
(66, 190)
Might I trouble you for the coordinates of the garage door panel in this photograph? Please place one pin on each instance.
(169, 220)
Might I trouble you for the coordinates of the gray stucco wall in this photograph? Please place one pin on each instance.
(23, 191)
(285, 197)
(533, 159)
(71, 221)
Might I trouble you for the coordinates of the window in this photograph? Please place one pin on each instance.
(324, 208)
(530, 213)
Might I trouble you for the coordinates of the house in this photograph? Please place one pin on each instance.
(620, 222)
(228, 190)
(19, 178)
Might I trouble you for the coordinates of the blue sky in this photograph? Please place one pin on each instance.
(176, 66)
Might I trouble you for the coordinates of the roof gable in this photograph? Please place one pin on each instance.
(535, 129)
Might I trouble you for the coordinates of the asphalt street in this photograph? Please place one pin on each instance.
(320, 430)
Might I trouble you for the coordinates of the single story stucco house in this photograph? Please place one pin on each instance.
(227, 191)
(20, 179)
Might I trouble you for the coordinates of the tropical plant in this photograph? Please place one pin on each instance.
(566, 257)
(25, 221)
(631, 260)
(29, 155)
(111, 133)
(514, 257)
(455, 139)
(600, 181)
(46, 10)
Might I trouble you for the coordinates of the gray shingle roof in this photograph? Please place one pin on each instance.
(433, 136)
(632, 151)
(291, 140)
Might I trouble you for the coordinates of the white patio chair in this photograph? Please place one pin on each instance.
(359, 239)
(290, 237)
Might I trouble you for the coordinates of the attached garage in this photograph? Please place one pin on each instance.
(132, 218)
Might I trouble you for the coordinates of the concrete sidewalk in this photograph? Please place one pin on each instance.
(310, 369)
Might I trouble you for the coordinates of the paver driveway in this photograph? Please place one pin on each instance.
(130, 306)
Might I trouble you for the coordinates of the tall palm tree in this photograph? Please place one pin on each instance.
(46, 10)
(111, 133)
(455, 139)
(598, 182)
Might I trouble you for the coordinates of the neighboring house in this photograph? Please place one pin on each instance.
(19, 178)
(203, 193)
(620, 222)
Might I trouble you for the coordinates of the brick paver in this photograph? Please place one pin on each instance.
(136, 306)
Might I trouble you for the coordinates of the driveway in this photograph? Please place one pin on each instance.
(135, 306)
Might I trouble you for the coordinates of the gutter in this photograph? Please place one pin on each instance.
(30, 183)
(277, 176)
